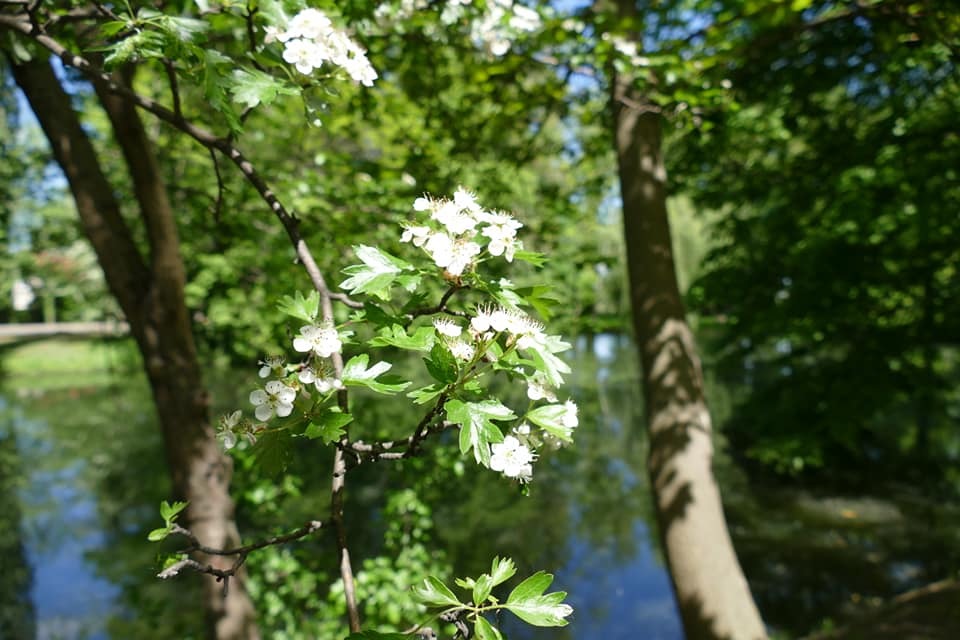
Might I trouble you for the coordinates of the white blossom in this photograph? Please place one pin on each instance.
(310, 39)
(466, 200)
(225, 430)
(538, 389)
(423, 203)
(447, 327)
(322, 381)
(457, 219)
(488, 318)
(271, 365)
(305, 55)
(418, 235)
(461, 350)
(502, 231)
(275, 397)
(312, 24)
(451, 254)
(512, 458)
(569, 418)
(324, 341)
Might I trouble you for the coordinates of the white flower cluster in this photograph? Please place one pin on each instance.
(465, 225)
(310, 40)
(277, 396)
(512, 458)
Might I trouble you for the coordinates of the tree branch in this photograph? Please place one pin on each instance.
(241, 553)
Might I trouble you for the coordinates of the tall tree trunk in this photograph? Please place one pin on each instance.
(152, 298)
(711, 591)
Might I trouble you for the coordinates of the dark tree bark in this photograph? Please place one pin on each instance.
(152, 298)
(711, 591)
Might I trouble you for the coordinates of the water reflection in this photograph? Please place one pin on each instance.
(94, 473)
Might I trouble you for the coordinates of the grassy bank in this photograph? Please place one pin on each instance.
(52, 363)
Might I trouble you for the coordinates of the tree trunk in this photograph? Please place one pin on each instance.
(152, 298)
(710, 589)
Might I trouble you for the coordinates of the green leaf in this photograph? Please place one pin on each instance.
(328, 426)
(170, 511)
(272, 451)
(251, 87)
(423, 395)
(481, 589)
(112, 27)
(476, 429)
(299, 307)
(541, 298)
(441, 364)
(376, 635)
(434, 592)
(396, 336)
(528, 602)
(531, 257)
(158, 534)
(547, 363)
(502, 570)
(377, 273)
(356, 374)
(483, 630)
(549, 418)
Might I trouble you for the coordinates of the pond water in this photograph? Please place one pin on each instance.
(88, 476)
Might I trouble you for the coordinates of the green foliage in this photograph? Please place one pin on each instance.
(304, 308)
(477, 431)
(328, 426)
(527, 600)
(169, 512)
(832, 278)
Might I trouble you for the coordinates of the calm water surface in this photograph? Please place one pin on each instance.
(807, 556)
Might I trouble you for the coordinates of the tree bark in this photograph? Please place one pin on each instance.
(711, 591)
(152, 298)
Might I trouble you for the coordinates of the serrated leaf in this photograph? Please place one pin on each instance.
(465, 583)
(328, 426)
(158, 534)
(528, 602)
(299, 307)
(476, 429)
(501, 570)
(356, 374)
(434, 592)
(423, 395)
(547, 363)
(441, 364)
(483, 630)
(170, 510)
(272, 451)
(378, 316)
(396, 336)
(216, 67)
(377, 273)
(481, 589)
(550, 418)
(251, 87)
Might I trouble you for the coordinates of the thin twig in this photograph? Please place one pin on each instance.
(440, 306)
(241, 553)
